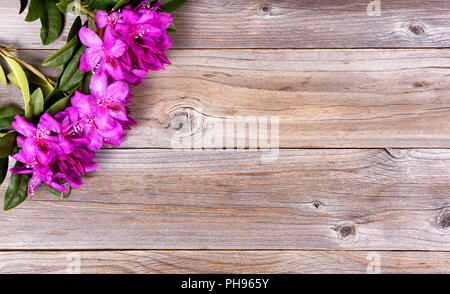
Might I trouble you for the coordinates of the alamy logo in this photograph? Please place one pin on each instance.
(230, 133)
(374, 8)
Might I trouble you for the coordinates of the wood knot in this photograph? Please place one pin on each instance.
(317, 204)
(417, 29)
(265, 9)
(179, 120)
(346, 232)
(421, 84)
(444, 220)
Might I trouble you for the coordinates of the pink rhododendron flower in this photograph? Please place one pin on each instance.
(102, 55)
(143, 30)
(60, 150)
(104, 19)
(41, 143)
(68, 168)
(39, 148)
(101, 111)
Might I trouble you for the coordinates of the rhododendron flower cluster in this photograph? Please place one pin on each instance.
(134, 43)
(60, 149)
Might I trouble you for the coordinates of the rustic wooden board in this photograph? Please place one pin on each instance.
(309, 211)
(323, 98)
(307, 199)
(236, 262)
(282, 24)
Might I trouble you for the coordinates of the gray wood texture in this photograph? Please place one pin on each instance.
(283, 24)
(307, 199)
(370, 93)
(236, 262)
(323, 98)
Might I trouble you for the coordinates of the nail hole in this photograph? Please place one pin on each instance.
(317, 204)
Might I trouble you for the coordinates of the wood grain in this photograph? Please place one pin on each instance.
(323, 98)
(282, 24)
(225, 262)
(307, 199)
(309, 210)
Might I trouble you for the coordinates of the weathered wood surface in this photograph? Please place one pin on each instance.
(323, 98)
(282, 24)
(236, 262)
(333, 209)
(307, 199)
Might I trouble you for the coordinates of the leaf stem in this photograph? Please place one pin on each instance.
(83, 9)
(5, 52)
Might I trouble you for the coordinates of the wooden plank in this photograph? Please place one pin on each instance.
(354, 199)
(322, 98)
(235, 262)
(282, 24)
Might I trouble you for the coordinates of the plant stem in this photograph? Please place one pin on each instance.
(5, 53)
(83, 9)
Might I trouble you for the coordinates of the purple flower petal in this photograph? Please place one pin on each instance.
(89, 38)
(165, 19)
(33, 183)
(118, 91)
(102, 19)
(130, 17)
(91, 58)
(98, 85)
(118, 49)
(95, 140)
(114, 70)
(84, 104)
(22, 126)
(47, 121)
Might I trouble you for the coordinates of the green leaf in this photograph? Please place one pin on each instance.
(37, 102)
(17, 190)
(35, 10)
(33, 81)
(58, 193)
(22, 82)
(60, 105)
(171, 5)
(102, 4)
(52, 23)
(121, 3)
(63, 4)
(172, 29)
(3, 168)
(7, 144)
(74, 29)
(86, 84)
(2, 76)
(63, 55)
(23, 5)
(7, 114)
(38, 82)
(12, 78)
(72, 76)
